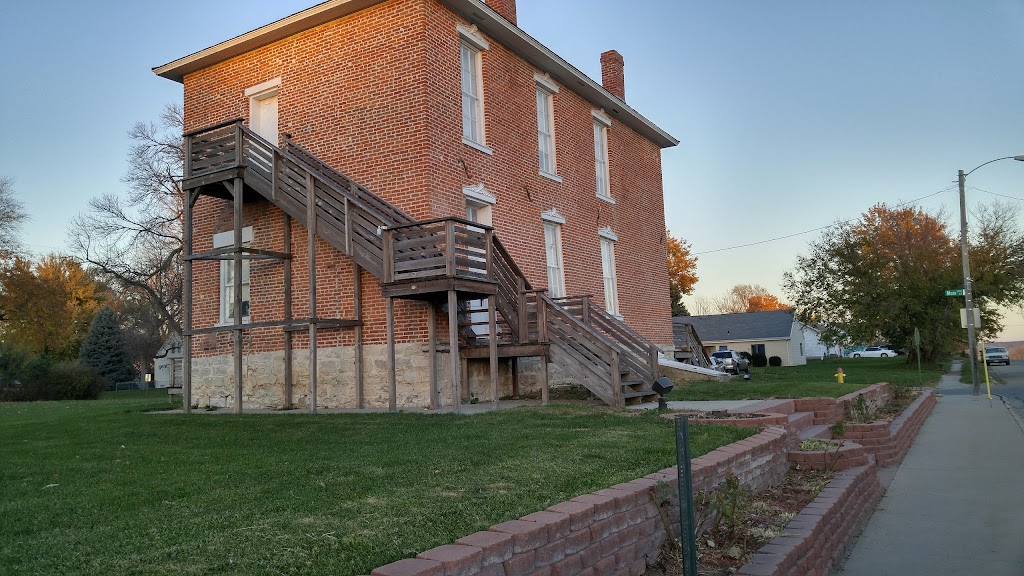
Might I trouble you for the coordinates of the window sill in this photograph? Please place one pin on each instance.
(619, 317)
(485, 149)
(550, 176)
(225, 323)
(607, 199)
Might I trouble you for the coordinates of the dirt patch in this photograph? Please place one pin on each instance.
(726, 546)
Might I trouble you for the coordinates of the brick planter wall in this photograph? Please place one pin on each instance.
(615, 531)
(819, 537)
(850, 455)
(829, 410)
(763, 420)
(889, 441)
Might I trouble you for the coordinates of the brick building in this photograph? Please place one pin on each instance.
(393, 114)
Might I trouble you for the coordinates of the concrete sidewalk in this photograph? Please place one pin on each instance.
(956, 504)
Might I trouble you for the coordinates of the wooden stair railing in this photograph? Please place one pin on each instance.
(392, 246)
(639, 354)
(576, 347)
(698, 355)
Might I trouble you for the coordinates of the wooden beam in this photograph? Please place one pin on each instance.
(186, 358)
(311, 242)
(544, 392)
(492, 325)
(432, 357)
(237, 321)
(392, 376)
(289, 400)
(542, 336)
(453, 348)
(357, 295)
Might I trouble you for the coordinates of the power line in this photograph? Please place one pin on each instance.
(996, 194)
(946, 189)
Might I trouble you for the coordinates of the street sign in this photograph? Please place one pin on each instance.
(963, 317)
(955, 292)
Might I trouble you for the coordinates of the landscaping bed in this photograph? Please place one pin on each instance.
(99, 487)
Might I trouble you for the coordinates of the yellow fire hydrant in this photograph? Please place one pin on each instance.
(840, 377)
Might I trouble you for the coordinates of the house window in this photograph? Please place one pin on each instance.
(801, 348)
(227, 277)
(757, 349)
(546, 126)
(601, 124)
(611, 290)
(553, 249)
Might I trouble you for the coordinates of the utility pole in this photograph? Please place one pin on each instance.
(972, 334)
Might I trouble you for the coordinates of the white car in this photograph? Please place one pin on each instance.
(873, 352)
(996, 355)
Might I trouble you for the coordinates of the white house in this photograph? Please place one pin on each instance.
(814, 347)
(772, 333)
(167, 367)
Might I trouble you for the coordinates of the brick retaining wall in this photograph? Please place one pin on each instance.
(889, 441)
(819, 537)
(614, 531)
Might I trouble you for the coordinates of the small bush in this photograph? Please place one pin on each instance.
(26, 378)
(759, 360)
(775, 361)
(745, 355)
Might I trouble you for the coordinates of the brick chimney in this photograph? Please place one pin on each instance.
(506, 8)
(612, 75)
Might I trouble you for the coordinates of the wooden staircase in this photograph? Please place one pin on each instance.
(427, 259)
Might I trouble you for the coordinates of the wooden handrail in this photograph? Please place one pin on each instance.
(453, 219)
(224, 124)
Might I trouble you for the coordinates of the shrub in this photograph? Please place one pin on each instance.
(775, 361)
(745, 355)
(26, 378)
(759, 360)
(73, 380)
(105, 350)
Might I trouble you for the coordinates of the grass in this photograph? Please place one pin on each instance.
(815, 379)
(101, 488)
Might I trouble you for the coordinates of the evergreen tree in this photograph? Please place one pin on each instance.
(105, 349)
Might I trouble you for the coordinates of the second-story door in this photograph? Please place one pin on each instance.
(478, 212)
(264, 116)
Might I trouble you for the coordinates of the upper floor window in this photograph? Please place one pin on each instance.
(471, 65)
(553, 250)
(611, 288)
(227, 277)
(601, 124)
(546, 125)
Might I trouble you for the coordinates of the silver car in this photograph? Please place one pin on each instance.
(996, 355)
(730, 361)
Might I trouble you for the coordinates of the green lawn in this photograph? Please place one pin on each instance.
(817, 378)
(102, 488)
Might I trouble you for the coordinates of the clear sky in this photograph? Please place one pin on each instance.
(791, 114)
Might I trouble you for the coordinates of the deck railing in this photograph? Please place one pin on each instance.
(639, 355)
(441, 248)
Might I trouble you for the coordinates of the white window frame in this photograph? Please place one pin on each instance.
(553, 221)
(608, 275)
(471, 46)
(546, 90)
(223, 240)
(602, 173)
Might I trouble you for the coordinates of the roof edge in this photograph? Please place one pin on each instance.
(475, 11)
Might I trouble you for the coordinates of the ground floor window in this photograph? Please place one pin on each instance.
(227, 277)
(757, 349)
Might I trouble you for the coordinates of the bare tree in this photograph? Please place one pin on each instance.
(135, 240)
(12, 216)
(703, 306)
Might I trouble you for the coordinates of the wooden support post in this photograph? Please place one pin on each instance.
(524, 324)
(513, 366)
(348, 227)
(489, 257)
(289, 400)
(311, 242)
(432, 359)
(357, 295)
(186, 301)
(585, 309)
(392, 375)
(453, 349)
(492, 325)
(464, 386)
(388, 240)
(616, 380)
(449, 248)
(237, 194)
(239, 144)
(542, 337)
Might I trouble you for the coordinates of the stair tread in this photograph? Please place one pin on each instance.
(815, 431)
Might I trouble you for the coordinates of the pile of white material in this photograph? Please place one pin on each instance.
(690, 367)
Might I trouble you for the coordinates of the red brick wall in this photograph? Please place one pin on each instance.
(376, 95)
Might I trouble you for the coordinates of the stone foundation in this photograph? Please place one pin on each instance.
(263, 378)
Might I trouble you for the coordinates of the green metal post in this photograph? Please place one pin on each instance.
(686, 514)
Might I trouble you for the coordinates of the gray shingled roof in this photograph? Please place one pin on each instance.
(746, 326)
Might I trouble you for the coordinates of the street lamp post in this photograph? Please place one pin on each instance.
(972, 330)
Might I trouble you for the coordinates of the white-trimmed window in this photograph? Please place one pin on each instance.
(546, 90)
(601, 124)
(227, 277)
(553, 250)
(471, 64)
(611, 289)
